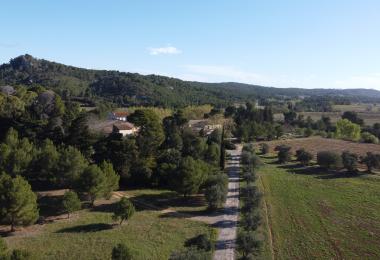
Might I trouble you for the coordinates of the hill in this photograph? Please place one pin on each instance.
(134, 89)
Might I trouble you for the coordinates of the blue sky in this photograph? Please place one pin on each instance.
(293, 43)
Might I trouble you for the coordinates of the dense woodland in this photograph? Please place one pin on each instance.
(126, 89)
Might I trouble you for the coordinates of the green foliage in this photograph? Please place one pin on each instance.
(201, 242)
(212, 155)
(345, 129)
(92, 182)
(372, 161)
(71, 165)
(45, 165)
(16, 154)
(303, 156)
(18, 203)
(329, 160)
(353, 117)
(369, 138)
(121, 252)
(71, 202)
(350, 161)
(190, 176)
(111, 179)
(216, 188)
(284, 155)
(124, 210)
(248, 244)
(151, 134)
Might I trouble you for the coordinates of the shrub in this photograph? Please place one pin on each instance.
(229, 145)
(201, 242)
(350, 161)
(124, 210)
(250, 148)
(251, 220)
(248, 244)
(329, 160)
(369, 138)
(345, 129)
(121, 252)
(372, 161)
(308, 132)
(216, 189)
(249, 176)
(284, 155)
(264, 148)
(303, 156)
(250, 159)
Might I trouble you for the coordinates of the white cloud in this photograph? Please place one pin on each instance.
(164, 50)
(364, 81)
(225, 73)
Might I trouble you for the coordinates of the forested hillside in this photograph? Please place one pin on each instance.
(127, 89)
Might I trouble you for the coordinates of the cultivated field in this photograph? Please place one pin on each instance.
(369, 118)
(316, 143)
(152, 233)
(314, 214)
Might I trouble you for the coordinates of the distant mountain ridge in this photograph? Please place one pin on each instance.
(126, 88)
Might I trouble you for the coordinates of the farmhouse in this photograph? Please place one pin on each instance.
(125, 128)
(203, 125)
(119, 115)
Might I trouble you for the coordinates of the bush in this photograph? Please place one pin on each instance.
(250, 148)
(369, 138)
(216, 189)
(350, 161)
(284, 155)
(251, 220)
(329, 160)
(121, 252)
(308, 132)
(3, 247)
(229, 145)
(303, 156)
(248, 244)
(249, 176)
(201, 242)
(124, 210)
(250, 159)
(264, 148)
(372, 161)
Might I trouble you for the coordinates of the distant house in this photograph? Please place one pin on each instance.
(120, 116)
(125, 128)
(203, 125)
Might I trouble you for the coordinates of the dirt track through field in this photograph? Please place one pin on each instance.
(227, 224)
(269, 227)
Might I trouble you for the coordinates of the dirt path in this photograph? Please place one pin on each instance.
(267, 220)
(227, 221)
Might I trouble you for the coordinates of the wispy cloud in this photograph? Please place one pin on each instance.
(363, 81)
(164, 50)
(225, 73)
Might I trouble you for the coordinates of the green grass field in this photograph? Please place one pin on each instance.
(319, 215)
(91, 234)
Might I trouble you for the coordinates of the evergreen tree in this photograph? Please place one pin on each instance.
(71, 202)
(124, 210)
(18, 203)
